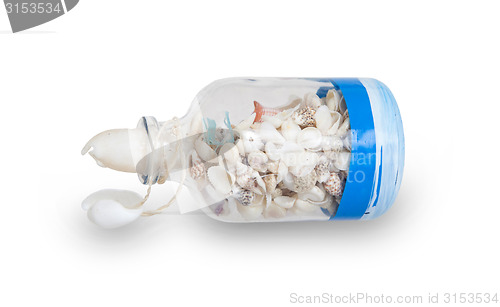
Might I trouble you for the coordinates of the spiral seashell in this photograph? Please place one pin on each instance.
(245, 197)
(304, 183)
(271, 183)
(305, 117)
(334, 185)
(197, 169)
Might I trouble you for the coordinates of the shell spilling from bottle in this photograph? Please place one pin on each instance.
(282, 162)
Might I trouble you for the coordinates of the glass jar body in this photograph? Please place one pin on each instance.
(287, 149)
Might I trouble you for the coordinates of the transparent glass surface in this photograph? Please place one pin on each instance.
(256, 150)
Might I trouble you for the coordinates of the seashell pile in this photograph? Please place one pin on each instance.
(290, 161)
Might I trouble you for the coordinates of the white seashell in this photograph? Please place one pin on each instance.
(271, 183)
(251, 141)
(268, 133)
(288, 181)
(203, 150)
(231, 154)
(272, 151)
(290, 130)
(111, 214)
(245, 124)
(286, 114)
(343, 107)
(272, 210)
(220, 179)
(337, 119)
(333, 100)
(324, 119)
(307, 161)
(342, 160)
(282, 171)
(344, 128)
(252, 211)
(112, 208)
(302, 206)
(312, 100)
(315, 194)
(309, 138)
(273, 166)
(258, 160)
(260, 182)
(284, 201)
(290, 153)
(255, 126)
(273, 120)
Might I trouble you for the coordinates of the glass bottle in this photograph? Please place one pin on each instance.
(261, 150)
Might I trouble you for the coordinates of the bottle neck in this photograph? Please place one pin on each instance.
(168, 142)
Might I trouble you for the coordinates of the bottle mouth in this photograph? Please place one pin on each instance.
(149, 169)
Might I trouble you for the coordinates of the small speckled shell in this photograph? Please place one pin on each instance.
(334, 185)
(305, 117)
(245, 197)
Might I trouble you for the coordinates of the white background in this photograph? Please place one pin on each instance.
(107, 63)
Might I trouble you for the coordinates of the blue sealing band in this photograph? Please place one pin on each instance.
(359, 186)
